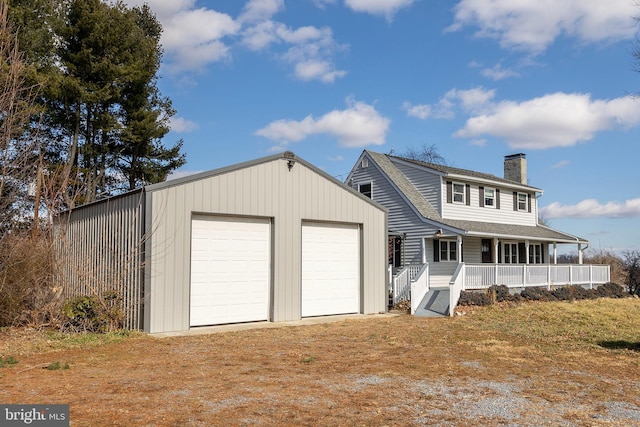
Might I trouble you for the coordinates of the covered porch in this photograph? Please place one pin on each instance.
(456, 260)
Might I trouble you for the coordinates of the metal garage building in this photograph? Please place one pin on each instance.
(274, 239)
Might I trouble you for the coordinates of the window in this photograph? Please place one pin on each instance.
(535, 254)
(510, 253)
(365, 163)
(365, 189)
(458, 193)
(522, 202)
(448, 250)
(489, 197)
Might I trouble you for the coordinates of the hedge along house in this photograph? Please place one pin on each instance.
(274, 239)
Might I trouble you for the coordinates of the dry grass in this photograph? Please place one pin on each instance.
(530, 364)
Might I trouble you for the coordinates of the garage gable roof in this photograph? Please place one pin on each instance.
(286, 156)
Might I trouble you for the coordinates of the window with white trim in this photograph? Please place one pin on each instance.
(522, 202)
(459, 195)
(366, 189)
(535, 254)
(510, 253)
(490, 197)
(448, 250)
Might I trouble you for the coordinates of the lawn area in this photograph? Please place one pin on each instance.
(527, 364)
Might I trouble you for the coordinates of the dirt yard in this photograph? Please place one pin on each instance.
(552, 364)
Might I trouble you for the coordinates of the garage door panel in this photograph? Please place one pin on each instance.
(330, 269)
(230, 270)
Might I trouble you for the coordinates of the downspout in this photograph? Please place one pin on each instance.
(581, 251)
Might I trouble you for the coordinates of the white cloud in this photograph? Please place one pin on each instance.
(191, 38)
(309, 49)
(386, 8)
(498, 73)
(469, 100)
(195, 37)
(180, 125)
(323, 3)
(420, 111)
(317, 70)
(591, 208)
(561, 164)
(260, 10)
(357, 126)
(532, 25)
(555, 120)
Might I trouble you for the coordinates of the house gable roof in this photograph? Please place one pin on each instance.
(465, 173)
(471, 228)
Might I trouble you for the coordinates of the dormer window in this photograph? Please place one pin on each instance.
(458, 193)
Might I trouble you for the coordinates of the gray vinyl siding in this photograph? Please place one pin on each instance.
(402, 218)
(101, 246)
(474, 212)
(426, 182)
(267, 190)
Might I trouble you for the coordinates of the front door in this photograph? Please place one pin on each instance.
(487, 255)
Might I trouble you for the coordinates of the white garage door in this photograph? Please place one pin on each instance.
(230, 270)
(330, 269)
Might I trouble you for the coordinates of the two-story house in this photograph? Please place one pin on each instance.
(469, 229)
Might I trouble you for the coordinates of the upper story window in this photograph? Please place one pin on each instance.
(490, 197)
(365, 189)
(522, 202)
(365, 163)
(459, 195)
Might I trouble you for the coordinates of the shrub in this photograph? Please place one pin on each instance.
(474, 298)
(611, 290)
(28, 295)
(501, 293)
(94, 313)
(537, 294)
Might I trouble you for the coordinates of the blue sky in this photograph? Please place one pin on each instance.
(480, 79)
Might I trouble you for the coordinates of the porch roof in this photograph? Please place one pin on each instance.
(510, 231)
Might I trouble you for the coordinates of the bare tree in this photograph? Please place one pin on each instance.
(632, 268)
(18, 158)
(426, 153)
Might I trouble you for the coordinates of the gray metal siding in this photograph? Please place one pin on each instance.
(267, 189)
(100, 248)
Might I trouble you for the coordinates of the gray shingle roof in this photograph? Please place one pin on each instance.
(463, 172)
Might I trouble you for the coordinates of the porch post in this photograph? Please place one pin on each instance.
(496, 245)
(555, 252)
(580, 253)
(459, 244)
(526, 250)
(423, 250)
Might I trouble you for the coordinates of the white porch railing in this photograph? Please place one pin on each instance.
(419, 287)
(456, 285)
(401, 281)
(482, 276)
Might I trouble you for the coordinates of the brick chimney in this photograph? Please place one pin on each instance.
(515, 168)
